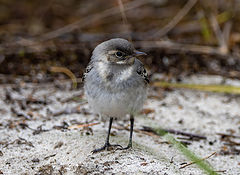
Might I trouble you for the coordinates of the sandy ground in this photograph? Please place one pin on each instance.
(35, 139)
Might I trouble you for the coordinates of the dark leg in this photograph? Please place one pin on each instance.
(131, 133)
(107, 144)
(109, 131)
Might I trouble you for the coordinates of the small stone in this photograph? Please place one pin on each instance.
(144, 164)
(35, 160)
(58, 145)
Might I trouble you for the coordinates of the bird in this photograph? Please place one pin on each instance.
(115, 84)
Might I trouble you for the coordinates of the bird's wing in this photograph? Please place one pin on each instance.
(143, 73)
(88, 69)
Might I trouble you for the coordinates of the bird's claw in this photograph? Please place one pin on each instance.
(108, 147)
(125, 148)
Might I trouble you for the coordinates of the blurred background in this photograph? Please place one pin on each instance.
(46, 125)
(39, 38)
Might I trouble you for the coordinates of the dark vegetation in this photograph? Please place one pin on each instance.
(180, 37)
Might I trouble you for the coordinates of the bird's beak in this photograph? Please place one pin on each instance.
(138, 53)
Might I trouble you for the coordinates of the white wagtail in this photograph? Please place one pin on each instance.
(115, 83)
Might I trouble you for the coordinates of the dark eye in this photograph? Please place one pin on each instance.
(119, 54)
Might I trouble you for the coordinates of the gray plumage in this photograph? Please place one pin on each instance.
(115, 90)
(115, 81)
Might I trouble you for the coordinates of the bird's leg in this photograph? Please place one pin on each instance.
(107, 144)
(131, 133)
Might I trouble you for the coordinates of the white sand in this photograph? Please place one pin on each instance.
(69, 151)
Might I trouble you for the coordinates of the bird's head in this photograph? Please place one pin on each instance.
(116, 51)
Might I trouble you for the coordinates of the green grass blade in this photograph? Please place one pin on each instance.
(200, 87)
(202, 164)
(206, 32)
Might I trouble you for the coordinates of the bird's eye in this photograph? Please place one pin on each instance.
(119, 54)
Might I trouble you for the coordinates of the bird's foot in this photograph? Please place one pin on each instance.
(107, 146)
(125, 148)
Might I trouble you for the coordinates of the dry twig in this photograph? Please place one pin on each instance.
(82, 126)
(222, 40)
(191, 136)
(76, 25)
(67, 110)
(183, 48)
(228, 135)
(122, 10)
(67, 72)
(188, 6)
(196, 162)
(124, 17)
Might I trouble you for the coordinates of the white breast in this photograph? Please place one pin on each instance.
(114, 98)
(118, 104)
(125, 74)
